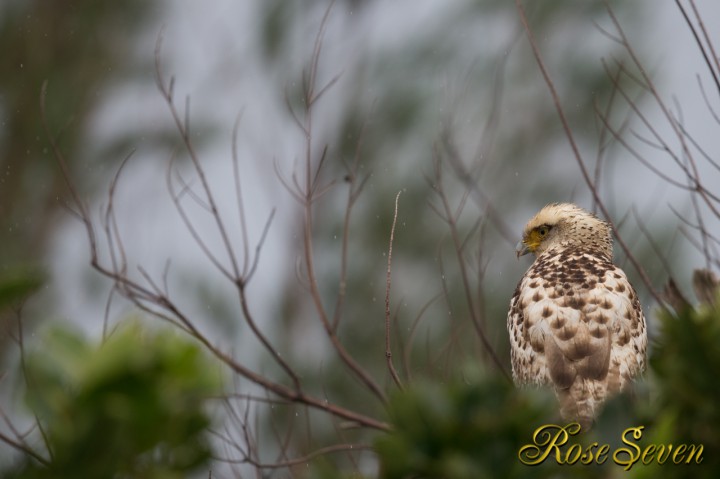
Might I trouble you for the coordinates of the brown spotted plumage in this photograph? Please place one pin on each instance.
(575, 322)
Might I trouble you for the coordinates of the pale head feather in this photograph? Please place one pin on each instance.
(566, 225)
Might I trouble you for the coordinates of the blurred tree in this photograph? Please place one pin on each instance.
(80, 47)
(684, 363)
(133, 407)
(462, 429)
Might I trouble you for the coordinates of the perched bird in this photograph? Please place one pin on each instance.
(575, 321)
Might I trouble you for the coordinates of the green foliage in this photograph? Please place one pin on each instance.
(462, 430)
(686, 360)
(132, 407)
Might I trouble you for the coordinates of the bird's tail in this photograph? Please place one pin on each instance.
(582, 401)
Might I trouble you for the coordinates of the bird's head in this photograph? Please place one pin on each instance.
(561, 225)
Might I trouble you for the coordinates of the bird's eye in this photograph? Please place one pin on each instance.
(543, 230)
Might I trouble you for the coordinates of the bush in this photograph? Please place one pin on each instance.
(132, 407)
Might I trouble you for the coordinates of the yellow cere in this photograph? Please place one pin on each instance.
(534, 238)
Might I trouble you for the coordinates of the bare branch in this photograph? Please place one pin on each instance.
(307, 193)
(699, 43)
(24, 449)
(199, 170)
(300, 460)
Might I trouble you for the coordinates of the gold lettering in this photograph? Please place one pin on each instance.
(660, 450)
(587, 457)
(692, 448)
(679, 451)
(631, 458)
(602, 453)
(575, 449)
(545, 442)
(647, 455)
(553, 440)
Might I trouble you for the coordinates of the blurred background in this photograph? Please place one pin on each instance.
(418, 89)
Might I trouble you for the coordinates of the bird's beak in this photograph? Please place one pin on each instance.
(521, 249)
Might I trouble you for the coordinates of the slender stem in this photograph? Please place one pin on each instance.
(388, 351)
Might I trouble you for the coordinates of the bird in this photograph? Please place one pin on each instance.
(575, 322)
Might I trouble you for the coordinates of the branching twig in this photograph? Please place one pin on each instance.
(449, 217)
(234, 273)
(354, 190)
(307, 194)
(156, 302)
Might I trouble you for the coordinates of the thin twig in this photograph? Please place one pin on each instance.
(354, 190)
(299, 460)
(239, 197)
(24, 449)
(700, 45)
(411, 335)
(388, 351)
